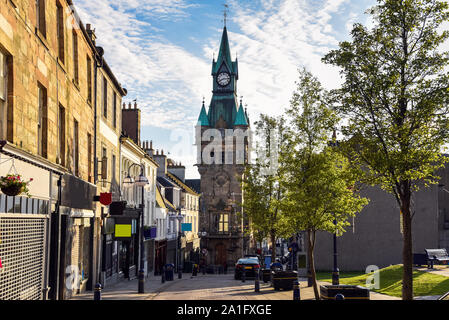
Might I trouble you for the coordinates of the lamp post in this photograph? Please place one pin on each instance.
(336, 272)
(180, 218)
(141, 181)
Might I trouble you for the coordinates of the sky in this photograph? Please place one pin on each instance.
(161, 51)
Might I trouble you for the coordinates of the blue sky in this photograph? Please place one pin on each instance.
(161, 52)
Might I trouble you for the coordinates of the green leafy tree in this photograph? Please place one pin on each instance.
(262, 187)
(320, 184)
(394, 100)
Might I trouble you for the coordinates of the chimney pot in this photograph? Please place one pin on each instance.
(135, 105)
(151, 144)
(129, 105)
(162, 152)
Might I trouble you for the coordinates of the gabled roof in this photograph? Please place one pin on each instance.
(195, 184)
(181, 184)
(166, 183)
(159, 199)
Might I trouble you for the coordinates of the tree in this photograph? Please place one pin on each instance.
(264, 193)
(394, 100)
(320, 184)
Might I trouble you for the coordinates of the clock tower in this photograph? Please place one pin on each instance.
(222, 139)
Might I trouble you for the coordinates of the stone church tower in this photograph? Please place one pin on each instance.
(222, 139)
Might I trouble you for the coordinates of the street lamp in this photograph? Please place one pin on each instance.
(179, 217)
(141, 181)
(336, 272)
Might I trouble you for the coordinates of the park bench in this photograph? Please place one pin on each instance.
(436, 255)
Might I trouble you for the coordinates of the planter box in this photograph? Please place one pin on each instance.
(283, 279)
(328, 292)
(420, 259)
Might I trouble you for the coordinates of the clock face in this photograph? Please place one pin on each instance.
(223, 79)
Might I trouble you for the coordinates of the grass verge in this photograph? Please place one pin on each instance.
(424, 283)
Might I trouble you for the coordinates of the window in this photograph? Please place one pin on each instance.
(104, 157)
(75, 57)
(105, 97)
(114, 110)
(89, 79)
(75, 148)
(113, 167)
(3, 96)
(60, 31)
(40, 17)
(223, 224)
(89, 157)
(61, 133)
(42, 121)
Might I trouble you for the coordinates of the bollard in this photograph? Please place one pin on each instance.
(309, 279)
(256, 282)
(97, 292)
(243, 275)
(163, 275)
(194, 271)
(339, 296)
(296, 290)
(180, 274)
(141, 281)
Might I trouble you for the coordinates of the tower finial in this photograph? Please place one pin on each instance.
(225, 12)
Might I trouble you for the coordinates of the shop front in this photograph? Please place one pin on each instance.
(77, 235)
(25, 228)
(160, 256)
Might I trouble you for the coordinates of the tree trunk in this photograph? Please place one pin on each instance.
(311, 245)
(407, 256)
(273, 245)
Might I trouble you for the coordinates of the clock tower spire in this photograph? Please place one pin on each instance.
(221, 162)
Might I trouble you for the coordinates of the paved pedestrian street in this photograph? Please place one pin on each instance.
(205, 287)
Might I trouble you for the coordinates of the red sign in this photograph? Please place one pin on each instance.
(105, 198)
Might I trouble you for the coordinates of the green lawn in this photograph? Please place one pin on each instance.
(424, 283)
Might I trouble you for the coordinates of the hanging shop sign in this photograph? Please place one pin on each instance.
(106, 198)
(186, 227)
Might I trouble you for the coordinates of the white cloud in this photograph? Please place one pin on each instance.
(273, 39)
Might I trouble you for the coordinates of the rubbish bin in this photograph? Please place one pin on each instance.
(169, 271)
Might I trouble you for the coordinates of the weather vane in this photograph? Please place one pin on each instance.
(225, 11)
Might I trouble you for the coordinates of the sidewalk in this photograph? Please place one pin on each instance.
(128, 289)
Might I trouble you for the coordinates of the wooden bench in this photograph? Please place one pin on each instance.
(436, 255)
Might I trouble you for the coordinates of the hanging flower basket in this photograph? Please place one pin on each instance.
(13, 185)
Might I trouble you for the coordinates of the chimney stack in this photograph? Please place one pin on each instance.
(91, 33)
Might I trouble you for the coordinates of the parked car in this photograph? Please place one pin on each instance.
(444, 296)
(247, 265)
(253, 256)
